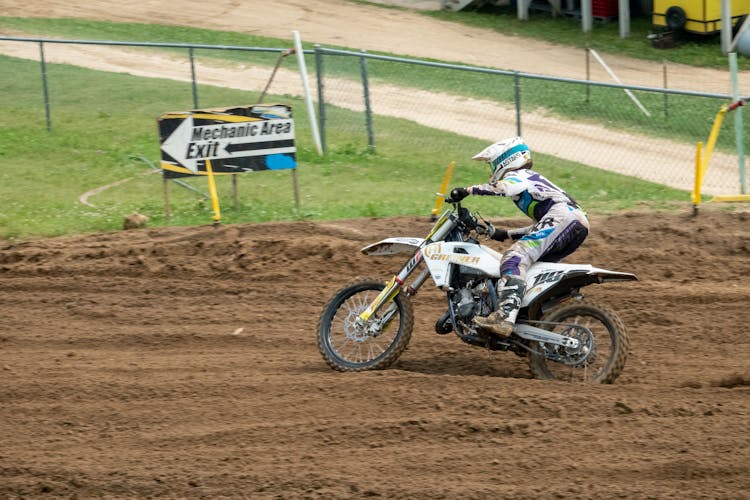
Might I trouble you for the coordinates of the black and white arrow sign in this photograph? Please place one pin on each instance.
(190, 143)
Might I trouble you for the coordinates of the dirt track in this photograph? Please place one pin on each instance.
(182, 363)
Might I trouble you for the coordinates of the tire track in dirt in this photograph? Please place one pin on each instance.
(123, 376)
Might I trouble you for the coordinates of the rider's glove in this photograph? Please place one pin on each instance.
(498, 234)
(486, 228)
(457, 194)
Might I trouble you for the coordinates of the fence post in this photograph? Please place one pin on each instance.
(321, 99)
(44, 87)
(666, 95)
(235, 197)
(165, 187)
(517, 86)
(738, 127)
(368, 109)
(192, 78)
(306, 88)
(588, 73)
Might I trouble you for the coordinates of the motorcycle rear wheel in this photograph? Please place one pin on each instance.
(349, 347)
(610, 345)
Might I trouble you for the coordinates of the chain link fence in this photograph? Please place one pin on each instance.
(647, 132)
(644, 131)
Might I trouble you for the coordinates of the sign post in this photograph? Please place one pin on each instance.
(227, 141)
(212, 190)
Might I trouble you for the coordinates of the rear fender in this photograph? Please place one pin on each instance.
(545, 280)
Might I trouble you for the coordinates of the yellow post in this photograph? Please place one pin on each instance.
(443, 188)
(712, 137)
(703, 156)
(698, 177)
(732, 198)
(212, 190)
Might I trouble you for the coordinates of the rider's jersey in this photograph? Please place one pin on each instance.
(532, 193)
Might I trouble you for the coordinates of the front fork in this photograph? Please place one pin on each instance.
(393, 288)
(442, 227)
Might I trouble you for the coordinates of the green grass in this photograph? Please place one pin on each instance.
(104, 127)
(104, 124)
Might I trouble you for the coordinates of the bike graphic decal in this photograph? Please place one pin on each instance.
(434, 252)
(413, 262)
(551, 277)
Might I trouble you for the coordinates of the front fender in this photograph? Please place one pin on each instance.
(391, 246)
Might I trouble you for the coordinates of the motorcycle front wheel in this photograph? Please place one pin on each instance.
(607, 345)
(350, 344)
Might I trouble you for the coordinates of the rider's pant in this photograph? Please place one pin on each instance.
(558, 234)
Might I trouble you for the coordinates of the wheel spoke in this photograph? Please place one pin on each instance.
(601, 332)
(349, 343)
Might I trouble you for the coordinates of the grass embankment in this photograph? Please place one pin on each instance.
(105, 124)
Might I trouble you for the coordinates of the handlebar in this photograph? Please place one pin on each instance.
(467, 219)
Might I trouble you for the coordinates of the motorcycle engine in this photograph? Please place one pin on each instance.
(465, 304)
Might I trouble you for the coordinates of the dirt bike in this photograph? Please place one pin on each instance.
(368, 323)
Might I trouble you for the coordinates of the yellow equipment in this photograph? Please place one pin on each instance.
(696, 16)
(702, 156)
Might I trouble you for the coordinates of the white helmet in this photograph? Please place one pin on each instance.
(504, 156)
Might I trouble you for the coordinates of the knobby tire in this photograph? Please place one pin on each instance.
(390, 354)
(616, 337)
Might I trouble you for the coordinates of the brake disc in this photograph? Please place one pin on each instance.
(582, 355)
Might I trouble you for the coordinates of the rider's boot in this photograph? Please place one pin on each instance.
(501, 322)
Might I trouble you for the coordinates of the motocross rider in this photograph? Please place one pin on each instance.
(560, 224)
